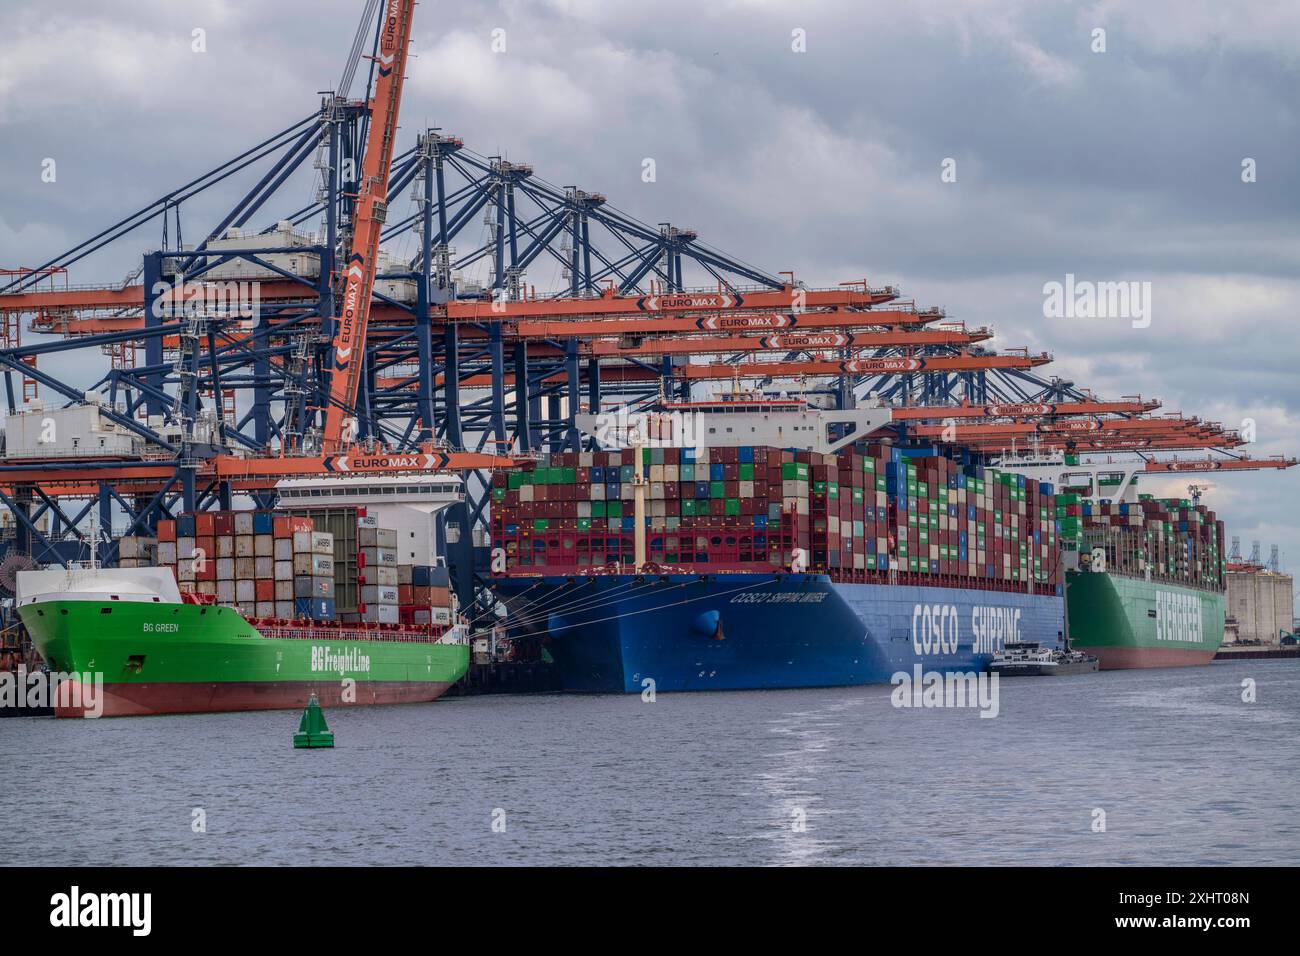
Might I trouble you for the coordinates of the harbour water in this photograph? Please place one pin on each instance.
(1184, 771)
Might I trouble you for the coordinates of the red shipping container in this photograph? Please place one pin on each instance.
(167, 530)
(264, 589)
(203, 526)
(223, 522)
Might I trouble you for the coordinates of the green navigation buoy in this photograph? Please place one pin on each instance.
(312, 731)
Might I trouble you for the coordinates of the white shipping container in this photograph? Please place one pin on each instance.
(225, 546)
(284, 609)
(167, 552)
(376, 538)
(247, 608)
(284, 590)
(302, 542)
(374, 594)
(225, 569)
(131, 547)
(381, 614)
(384, 577)
(266, 609)
(226, 592)
(243, 523)
(373, 557)
(184, 548)
(245, 591)
(283, 570)
(263, 568)
(263, 545)
(245, 569)
(284, 549)
(322, 542)
(243, 546)
(321, 565)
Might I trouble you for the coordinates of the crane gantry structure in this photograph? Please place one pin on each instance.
(266, 351)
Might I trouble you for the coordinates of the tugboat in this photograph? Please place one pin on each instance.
(1031, 659)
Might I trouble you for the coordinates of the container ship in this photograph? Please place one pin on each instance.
(780, 547)
(1145, 577)
(237, 611)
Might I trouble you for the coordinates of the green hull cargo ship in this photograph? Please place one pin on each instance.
(1131, 622)
(158, 653)
(1145, 577)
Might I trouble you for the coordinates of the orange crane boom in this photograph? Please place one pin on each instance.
(866, 366)
(371, 210)
(1221, 464)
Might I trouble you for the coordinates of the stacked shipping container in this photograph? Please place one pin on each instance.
(1177, 540)
(859, 515)
(272, 565)
(378, 575)
(267, 565)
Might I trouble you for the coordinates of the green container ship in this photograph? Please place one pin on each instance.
(1145, 577)
(1127, 621)
(157, 653)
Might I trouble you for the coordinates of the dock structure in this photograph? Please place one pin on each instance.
(281, 341)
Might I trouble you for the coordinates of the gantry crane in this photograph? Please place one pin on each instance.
(439, 371)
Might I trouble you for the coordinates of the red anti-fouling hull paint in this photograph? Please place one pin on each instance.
(1125, 658)
(138, 700)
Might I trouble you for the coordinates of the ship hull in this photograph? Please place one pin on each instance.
(180, 658)
(616, 634)
(1066, 669)
(142, 700)
(1127, 622)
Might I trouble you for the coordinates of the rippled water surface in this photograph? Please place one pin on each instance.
(1184, 771)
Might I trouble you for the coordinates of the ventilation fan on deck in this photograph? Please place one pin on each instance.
(10, 567)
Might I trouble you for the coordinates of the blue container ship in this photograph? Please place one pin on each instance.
(738, 631)
(828, 560)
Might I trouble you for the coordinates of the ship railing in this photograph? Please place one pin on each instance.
(271, 630)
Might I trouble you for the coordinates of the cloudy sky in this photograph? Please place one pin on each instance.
(1117, 165)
